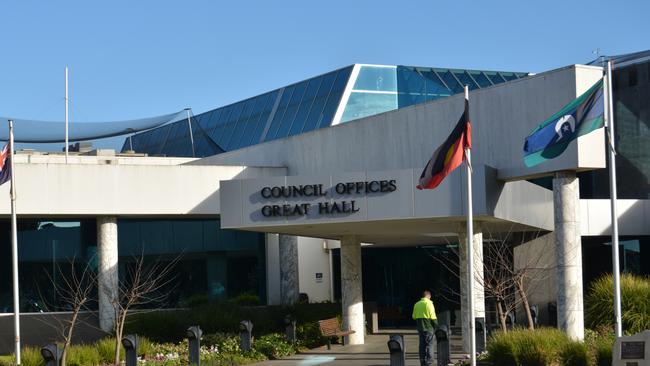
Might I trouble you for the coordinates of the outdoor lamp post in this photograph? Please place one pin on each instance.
(51, 355)
(130, 343)
(194, 334)
(245, 335)
(397, 350)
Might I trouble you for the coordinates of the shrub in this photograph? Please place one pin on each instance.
(83, 355)
(603, 351)
(575, 354)
(526, 347)
(635, 292)
(274, 346)
(29, 356)
(225, 343)
(246, 300)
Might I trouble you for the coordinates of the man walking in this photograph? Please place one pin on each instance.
(424, 315)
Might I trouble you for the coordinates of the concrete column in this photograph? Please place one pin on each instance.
(351, 292)
(289, 285)
(566, 202)
(479, 291)
(107, 276)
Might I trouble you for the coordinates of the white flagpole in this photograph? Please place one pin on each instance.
(66, 114)
(189, 123)
(14, 242)
(616, 271)
(470, 250)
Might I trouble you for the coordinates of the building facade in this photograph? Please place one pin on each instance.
(197, 197)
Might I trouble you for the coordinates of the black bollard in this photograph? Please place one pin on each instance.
(510, 320)
(397, 350)
(130, 343)
(194, 334)
(51, 355)
(479, 330)
(245, 335)
(443, 347)
(534, 310)
(290, 328)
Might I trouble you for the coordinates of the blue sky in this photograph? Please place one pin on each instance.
(132, 59)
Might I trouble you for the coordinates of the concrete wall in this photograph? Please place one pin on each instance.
(313, 258)
(46, 186)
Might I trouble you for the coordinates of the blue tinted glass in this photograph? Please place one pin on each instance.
(260, 102)
(230, 124)
(366, 104)
(508, 75)
(495, 77)
(334, 98)
(451, 81)
(411, 86)
(316, 110)
(466, 80)
(216, 135)
(279, 113)
(481, 79)
(521, 75)
(305, 106)
(256, 135)
(240, 125)
(292, 109)
(434, 86)
(376, 78)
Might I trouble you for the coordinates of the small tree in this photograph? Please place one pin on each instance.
(75, 291)
(141, 285)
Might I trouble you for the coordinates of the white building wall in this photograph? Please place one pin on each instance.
(273, 293)
(313, 259)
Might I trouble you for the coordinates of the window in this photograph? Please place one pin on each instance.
(376, 79)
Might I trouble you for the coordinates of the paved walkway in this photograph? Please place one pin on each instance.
(373, 353)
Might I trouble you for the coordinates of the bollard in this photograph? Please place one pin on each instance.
(194, 334)
(51, 355)
(510, 320)
(245, 335)
(397, 350)
(480, 334)
(130, 343)
(290, 328)
(443, 347)
(534, 310)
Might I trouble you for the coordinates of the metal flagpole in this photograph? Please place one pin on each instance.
(470, 250)
(189, 123)
(66, 114)
(14, 242)
(612, 188)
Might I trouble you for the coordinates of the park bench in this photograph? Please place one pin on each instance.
(329, 328)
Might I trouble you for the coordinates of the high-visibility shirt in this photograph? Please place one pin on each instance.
(424, 315)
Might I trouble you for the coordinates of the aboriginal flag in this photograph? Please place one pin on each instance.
(449, 155)
(5, 166)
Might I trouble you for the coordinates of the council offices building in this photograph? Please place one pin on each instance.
(370, 126)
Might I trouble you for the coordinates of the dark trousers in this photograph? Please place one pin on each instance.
(426, 348)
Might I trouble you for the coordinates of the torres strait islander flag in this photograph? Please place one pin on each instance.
(449, 155)
(5, 167)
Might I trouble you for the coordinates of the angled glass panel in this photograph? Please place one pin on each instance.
(279, 114)
(523, 74)
(367, 104)
(255, 137)
(216, 134)
(376, 79)
(334, 98)
(411, 87)
(292, 109)
(451, 82)
(305, 106)
(434, 86)
(240, 125)
(465, 79)
(203, 119)
(230, 124)
(316, 110)
(494, 77)
(260, 102)
(223, 116)
(481, 79)
(508, 75)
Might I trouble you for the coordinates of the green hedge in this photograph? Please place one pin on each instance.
(635, 292)
(225, 318)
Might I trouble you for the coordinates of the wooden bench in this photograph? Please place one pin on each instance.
(330, 328)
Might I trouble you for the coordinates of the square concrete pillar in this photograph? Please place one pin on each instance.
(289, 275)
(107, 271)
(351, 289)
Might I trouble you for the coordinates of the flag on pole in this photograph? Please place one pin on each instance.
(5, 166)
(580, 117)
(449, 155)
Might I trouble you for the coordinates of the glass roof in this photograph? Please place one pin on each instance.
(308, 105)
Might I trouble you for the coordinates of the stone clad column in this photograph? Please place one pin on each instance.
(479, 291)
(107, 276)
(566, 203)
(351, 289)
(289, 283)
